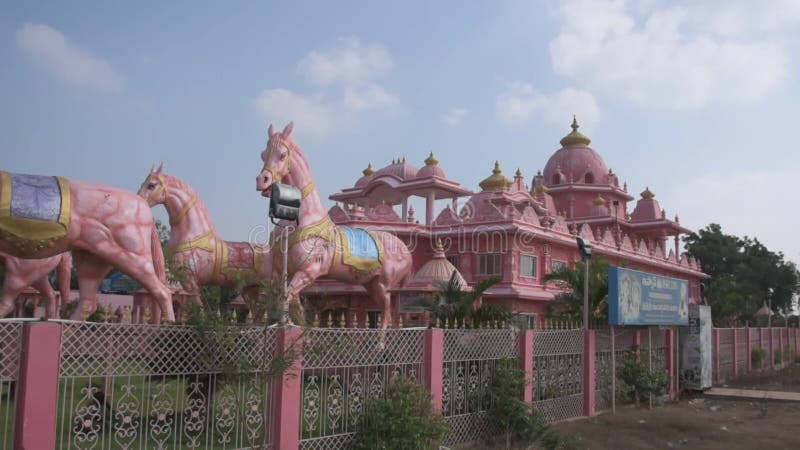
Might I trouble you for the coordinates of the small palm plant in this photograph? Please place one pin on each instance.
(568, 305)
(452, 303)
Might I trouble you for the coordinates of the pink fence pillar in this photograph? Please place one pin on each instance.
(715, 353)
(749, 348)
(589, 357)
(286, 391)
(433, 366)
(735, 353)
(771, 348)
(526, 362)
(669, 338)
(37, 391)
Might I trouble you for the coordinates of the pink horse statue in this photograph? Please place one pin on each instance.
(104, 227)
(196, 248)
(21, 273)
(375, 259)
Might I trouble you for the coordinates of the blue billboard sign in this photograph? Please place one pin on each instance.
(641, 298)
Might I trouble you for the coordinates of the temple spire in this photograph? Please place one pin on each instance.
(575, 138)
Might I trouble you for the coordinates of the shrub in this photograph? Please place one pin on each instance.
(640, 380)
(513, 420)
(757, 357)
(403, 420)
(777, 358)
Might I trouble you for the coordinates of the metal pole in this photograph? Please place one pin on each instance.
(650, 357)
(677, 363)
(285, 312)
(586, 294)
(613, 374)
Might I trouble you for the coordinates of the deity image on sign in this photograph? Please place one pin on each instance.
(630, 296)
(683, 309)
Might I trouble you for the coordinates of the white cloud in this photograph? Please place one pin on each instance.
(521, 102)
(280, 106)
(454, 116)
(373, 96)
(743, 203)
(349, 62)
(664, 56)
(51, 49)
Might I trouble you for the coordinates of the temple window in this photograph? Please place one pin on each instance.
(557, 264)
(556, 179)
(453, 260)
(489, 264)
(527, 266)
(588, 178)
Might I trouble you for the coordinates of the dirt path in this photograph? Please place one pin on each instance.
(700, 423)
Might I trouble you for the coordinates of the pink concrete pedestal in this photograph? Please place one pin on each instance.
(35, 418)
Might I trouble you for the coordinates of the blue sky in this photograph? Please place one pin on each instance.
(696, 100)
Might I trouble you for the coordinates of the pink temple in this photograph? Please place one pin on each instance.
(508, 229)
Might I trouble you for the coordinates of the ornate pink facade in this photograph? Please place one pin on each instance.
(508, 229)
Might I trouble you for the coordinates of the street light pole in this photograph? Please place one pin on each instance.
(586, 293)
(585, 250)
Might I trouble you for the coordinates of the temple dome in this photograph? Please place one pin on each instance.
(368, 174)
(434, 272)
(575, 162)
(400, 169)
(496, 181)
(647, 208)
(431, 168)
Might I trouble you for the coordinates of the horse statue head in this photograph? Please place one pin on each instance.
(154, 187)
(277, 159)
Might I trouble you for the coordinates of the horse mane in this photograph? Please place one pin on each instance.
(178, 183)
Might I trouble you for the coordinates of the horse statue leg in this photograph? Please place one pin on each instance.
(91, 271)
(47, 293)
(377, 291)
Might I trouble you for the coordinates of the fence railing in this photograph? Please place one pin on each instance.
(739, 351)
(82, 385)
(10, 348)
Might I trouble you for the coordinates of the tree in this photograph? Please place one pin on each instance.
(568, 304)
(745, 274)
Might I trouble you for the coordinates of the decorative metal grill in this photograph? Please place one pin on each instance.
(469, 358)
(10, 346)
(623, 342)
(342, 369)
(558, 374)
(163, 387)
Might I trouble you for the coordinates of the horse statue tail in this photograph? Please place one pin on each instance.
(158, 256)
(64, 271)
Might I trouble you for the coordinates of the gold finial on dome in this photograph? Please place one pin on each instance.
(368, 172)
(496, 181)
(647, 194)
(518, 173)
(431, 160)
(599, 200)
(575, 138)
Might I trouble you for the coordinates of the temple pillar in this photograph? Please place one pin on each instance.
(429, 202)
(405, 209)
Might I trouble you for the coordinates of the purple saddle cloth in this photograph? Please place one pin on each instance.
(35, 197)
